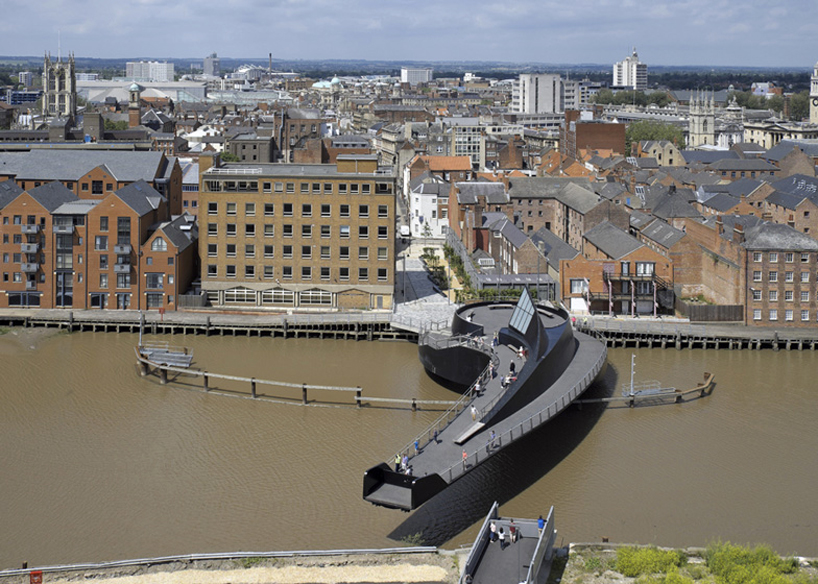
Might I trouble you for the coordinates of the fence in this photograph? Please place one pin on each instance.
(192, 300)
(710, 312)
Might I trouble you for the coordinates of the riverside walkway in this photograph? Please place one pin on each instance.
(487, 419)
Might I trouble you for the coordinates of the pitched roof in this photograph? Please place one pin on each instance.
(468, 192)
(553, 247)
(708, 156)
(447, 163)
(611, 240)
(140, 196)
(8, 192)
(778, 236)
(798, 184)
(182, 231)
(662, 233)
(52, 195)
(70, 165)
(722, 202)
(743, 164)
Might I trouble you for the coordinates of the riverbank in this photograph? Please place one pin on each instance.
(413, 568)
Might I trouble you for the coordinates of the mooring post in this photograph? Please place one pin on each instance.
(304, 393)
(253, 386)
(163, 375)
(207, 326)
(414, 405)
(775, 340)
(143, 368)
(204, 377)
(70, 321)
(358, 396)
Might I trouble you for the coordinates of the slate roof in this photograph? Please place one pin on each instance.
(611, 240)
(730, 221)
(777, 236)
(140, 196)
(578, 198)
(78, 207)
(786, 200)
(180, 238)
(495, 193)
(640, 220)
(541, 187)
(8, 192)
(552, 247)
(663, 234)
(742, 164)
(722, 202)
(432, 188)
(708, 156)
(798, 184)
(52, 195)
(780, 150)
(510, 232)
(70, 165)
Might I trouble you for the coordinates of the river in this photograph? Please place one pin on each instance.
(101, 464)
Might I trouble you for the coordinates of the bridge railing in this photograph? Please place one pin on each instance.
(529, 424)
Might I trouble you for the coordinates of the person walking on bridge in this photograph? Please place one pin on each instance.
(473, 413)
(397, 463)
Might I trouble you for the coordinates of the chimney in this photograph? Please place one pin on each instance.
(719, 225)
(738, 234)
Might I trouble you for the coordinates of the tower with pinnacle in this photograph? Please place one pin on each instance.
(59, 87)
(702, 124)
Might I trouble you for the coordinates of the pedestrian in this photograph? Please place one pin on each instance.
(477, 388)
(493, 530)
(435, 436)
(473, 412)
(465, 458)
(512, 531)
(520, 353)
(585, 321)
(405, 463)
(512, 368)
(495, 339)
(491, 370)
(417, 447)
(397, 463)
(540, 524)
(493, 438)
(502, 537)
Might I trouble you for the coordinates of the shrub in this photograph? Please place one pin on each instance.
(632, 561)
(733, 564)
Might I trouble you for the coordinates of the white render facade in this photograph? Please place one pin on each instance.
(538, 93)
(149, 70)
(429, 206)
(415, 76)
(631, 73)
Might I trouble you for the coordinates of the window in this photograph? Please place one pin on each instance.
(382, 253)
(306, 210)
(231, 271)
(366, 189)
(316, 188)
(757, 314)
(756, 256)
(773, 256)
(269, 230)
(343, 274)
(123, 280)
(103, 261)
(288, 209)
(304, 188)
(306, 231)
(363, 253)
(231, 250)
(325, 231)
(249, 250)
(249, 229)
(325, 272)
(84, 186)
(788, 295)
(267, 187)
(212, 271)
(363, 232)
(325, 252)
(279, 187)
(804, 295)
(231, 230)
(342, 188)
(773, 314)
(212, 250)
(306, 252)
(154, 281)
(344, 210)
(383, 211)
(306, 273)
(363, 273)
(268, 272)
(231, 208)
(773, 276)
(757, 295)
(644, 268)
(103, 224)
(269, 209)
(249, 271)
(363, 211)
(250, 209)
(343, 252)
(159, 244)
(212, 208)
(789, 257)
(805, 315)
(287, 230)
(805, 276)
(325, 210)
(269, 251)
(290, 189)
(287, 250)
(773, 296)
(757, 276)
(788, 315)
(101, 242)
(344, 231)
(383, 232)
(804, 258)
(96, 187)
(103, 280)
(327, 188)
(353, 189)
(212, 229)
(382, 274)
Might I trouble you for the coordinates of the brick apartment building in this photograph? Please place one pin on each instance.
(307, 236)
(121, 251)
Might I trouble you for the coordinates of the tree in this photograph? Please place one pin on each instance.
(799, 106)
(111, 126)
(229, 157)
(653, 130)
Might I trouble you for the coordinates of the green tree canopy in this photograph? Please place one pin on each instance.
(799, 106)
(653, 130)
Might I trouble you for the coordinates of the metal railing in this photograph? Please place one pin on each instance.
(529, 424)
(236, 171)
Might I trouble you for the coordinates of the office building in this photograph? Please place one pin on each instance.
(212, 65)
(415, 76)
(25, 78)
(149, 71)
(630, 73)
(538, 93)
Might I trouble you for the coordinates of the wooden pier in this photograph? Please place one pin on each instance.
(677, 395)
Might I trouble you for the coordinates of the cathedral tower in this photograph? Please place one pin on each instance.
(702, 123)
(59, 88)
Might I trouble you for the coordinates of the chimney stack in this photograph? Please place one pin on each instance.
(719, 225)
(738, 234)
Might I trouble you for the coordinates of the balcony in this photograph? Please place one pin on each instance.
(31, 285)
(30, 268)
(29, 247)
(29, 229)
(122, 248)
(122, 268)
(63, 229)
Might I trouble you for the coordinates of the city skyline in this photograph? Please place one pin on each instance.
(701, 32)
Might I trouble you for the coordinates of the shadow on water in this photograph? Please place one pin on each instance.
(507, 474)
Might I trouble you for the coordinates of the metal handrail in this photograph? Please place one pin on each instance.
(459, 468)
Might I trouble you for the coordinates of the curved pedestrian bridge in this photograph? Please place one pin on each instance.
(520, 365)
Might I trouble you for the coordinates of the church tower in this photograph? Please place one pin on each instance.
(702, 123)
(813, 97)
(59, 88)
(134, 105)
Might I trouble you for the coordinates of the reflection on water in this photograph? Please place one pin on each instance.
(99, 463)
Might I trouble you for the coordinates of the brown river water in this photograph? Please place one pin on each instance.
(97, 463)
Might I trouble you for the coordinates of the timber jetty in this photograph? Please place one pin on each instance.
(520, 366)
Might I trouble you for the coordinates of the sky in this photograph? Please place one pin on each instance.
(754, 33)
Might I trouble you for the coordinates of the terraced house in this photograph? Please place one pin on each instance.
(291, 235)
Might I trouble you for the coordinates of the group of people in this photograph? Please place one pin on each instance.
(402, 463)
(500, 535)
